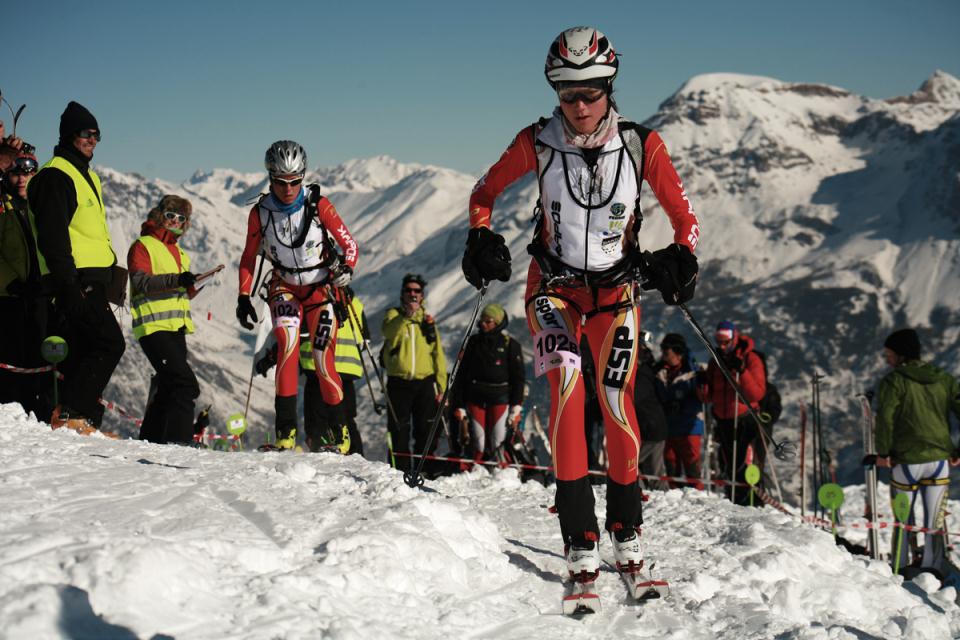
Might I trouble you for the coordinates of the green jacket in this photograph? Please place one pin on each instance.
(913, 406)
(406, 352)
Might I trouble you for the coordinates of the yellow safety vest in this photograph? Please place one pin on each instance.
(346, 356)
(166, 311)
(89, 235)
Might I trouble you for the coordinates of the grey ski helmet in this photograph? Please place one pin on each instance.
(581, 53)
(285, 158)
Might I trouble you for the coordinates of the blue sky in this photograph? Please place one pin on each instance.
(180, 86)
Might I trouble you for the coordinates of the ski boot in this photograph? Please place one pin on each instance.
(628, 557)
(283, 444)
(582, 554)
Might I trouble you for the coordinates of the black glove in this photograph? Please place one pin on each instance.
(341, 275)
(671, 271)
(733, 362)
(16, 287)
(245, 312)
(186, 280)
(486, 257)
(870, 460)
(268, 360)
(71, 302)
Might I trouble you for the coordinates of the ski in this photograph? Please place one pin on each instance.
(583, 600)
(642, 587)
(869, 448)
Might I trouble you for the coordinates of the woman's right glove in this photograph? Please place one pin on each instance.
(486, 257)
(245, 312)
(673, 272)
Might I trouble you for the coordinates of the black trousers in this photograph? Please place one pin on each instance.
(169, 415)
(747, 436)
(95, 344)
(320, 418)
(23, 326)
(415, 403)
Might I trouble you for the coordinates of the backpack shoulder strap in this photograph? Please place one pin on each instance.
(634, 138)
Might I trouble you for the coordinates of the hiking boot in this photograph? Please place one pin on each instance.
(627, 550)
(582, 554)
(64, 417)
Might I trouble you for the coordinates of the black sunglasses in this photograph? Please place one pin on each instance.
(89, 133)
(575, 94)
(412, 290)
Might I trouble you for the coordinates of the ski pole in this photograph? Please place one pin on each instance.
(414, 479)
(803, 460)
(733, 465)
(784, 450)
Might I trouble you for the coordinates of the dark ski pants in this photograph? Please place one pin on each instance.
(169, 415)
(95, 344)
(23, 326)
(413, 401)
(748, 437)
(321, 420)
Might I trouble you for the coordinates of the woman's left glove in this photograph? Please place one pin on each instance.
(672, 271)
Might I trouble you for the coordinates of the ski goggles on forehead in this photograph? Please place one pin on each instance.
(289, 182)
(24, 165)
(588, 95)
(173, 215)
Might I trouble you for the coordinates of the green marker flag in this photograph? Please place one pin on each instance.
(54, 350)
(831, 497)
(236, 425)
(752, 476)
(901, 511)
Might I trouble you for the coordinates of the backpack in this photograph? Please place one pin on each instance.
(770, 403)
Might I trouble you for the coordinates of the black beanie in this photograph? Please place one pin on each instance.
(73, 119)
(904, 343)
(675, 342)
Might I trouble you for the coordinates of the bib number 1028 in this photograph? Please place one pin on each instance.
(554, 348)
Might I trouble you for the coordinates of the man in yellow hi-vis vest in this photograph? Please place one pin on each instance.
(76, 261)
(161, 286)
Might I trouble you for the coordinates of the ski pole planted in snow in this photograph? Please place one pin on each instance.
(413, 478)
(831, 497)
(752, 476)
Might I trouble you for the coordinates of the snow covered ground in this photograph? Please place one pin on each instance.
(123, 539)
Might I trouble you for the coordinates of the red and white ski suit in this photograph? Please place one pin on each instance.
(298, 290)
(586, 223)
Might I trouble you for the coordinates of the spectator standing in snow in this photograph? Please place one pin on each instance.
(161, 287)
(582, 277)
(733, 420)
(77, 262)
(23, 307)
(416, 371)
(653, 423)
(914, 402)
(677, 391)
(488, 393)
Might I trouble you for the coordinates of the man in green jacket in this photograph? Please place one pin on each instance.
(913, 437)
(416, 371)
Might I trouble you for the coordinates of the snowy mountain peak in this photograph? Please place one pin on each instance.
(941, 88)
(364, 175)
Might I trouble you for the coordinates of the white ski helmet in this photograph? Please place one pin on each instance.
(285, 158)
(581, 53)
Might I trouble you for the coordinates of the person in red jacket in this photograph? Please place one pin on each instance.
(591, 163)
(733, 421)
(161, 287)
(297, 230)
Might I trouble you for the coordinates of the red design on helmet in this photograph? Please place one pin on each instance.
(581, 53)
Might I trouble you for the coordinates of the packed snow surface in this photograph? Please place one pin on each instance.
(122, 539)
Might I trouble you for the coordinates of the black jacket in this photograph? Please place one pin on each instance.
(491, 371)
(653, 422)
(53, 201)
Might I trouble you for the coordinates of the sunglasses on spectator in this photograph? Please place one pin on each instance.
(589, 95)
(412, 290)
(292, 182)
(173, 215)
(24, 166)
(89, 133)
